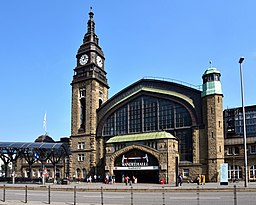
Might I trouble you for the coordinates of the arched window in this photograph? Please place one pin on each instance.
(78, 173)
(146, 114)
(84, 173)
(58, 173)
(149, 114)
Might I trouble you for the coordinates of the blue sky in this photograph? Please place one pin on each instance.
(166, 38)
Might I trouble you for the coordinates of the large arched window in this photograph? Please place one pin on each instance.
(149, 114)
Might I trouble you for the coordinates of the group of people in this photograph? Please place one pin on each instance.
(88, 179)
(109, 179)
(127, 180)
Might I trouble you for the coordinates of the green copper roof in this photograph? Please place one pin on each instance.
(210, 88)
(210, 71)
(141, 137)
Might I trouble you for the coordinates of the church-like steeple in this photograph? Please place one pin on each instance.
(91, 24)
(90, 57)
(90, 36)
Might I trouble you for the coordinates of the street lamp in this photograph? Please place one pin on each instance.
(244, 126)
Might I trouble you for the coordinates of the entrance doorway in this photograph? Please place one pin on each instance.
(143, 176)
(139, 164)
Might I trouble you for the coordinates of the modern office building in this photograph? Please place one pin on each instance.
(153, 129)
(234, 142)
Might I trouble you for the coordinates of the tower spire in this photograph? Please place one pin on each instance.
(91, 24)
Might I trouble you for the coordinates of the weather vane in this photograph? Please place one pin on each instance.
(210, 63)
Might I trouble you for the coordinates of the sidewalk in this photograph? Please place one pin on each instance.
(138, 187)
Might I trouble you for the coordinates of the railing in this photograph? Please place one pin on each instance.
(129, 196)
(198, 87)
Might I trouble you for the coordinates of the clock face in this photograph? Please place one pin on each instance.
(83, 59)
(99, 61)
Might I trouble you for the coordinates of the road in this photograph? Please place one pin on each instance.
(136, 198)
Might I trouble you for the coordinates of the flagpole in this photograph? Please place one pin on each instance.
(44, 124)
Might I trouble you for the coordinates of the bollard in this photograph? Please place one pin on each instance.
(235, 198)
(26, 194)
(4, 194)
(163, 196)
(101, 196)
(49, 194)
(197, 193)
(74, 195)
(131, 195)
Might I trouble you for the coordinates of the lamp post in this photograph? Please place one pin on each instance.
(244, 126)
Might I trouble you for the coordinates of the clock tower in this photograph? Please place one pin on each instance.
(89, 91)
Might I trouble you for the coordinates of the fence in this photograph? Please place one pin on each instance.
(130, 197)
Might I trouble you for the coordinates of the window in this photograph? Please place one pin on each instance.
(236, 151)
(185, 172)
(253, 172)
(82, 93)
(151, 144)
(233, 151)
(80, 157)
(234, 172)
(100, 98)
(78, 173)
(81, 145)
(135, 116)
(253, 149)
(147, 114)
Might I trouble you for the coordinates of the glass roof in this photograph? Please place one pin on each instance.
(24, 145)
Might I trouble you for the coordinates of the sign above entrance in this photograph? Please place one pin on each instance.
(135, 161)
(137, 168)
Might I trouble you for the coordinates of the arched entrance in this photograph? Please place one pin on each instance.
(137, 164)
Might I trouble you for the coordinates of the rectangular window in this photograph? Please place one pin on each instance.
(253, 149)
(80, 145)
(135, 116)
(229, 151)
(185, 172)
(80, 157)
(121, 121)
(150, 115)
(82, 93)
(233, 151)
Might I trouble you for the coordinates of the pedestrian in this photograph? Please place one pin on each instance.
(198, 180)
(110, 179)
(180, 179)
(126, 179)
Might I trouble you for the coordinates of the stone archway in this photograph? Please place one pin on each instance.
(140, 161)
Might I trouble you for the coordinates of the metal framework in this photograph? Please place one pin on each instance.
(10, 152)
